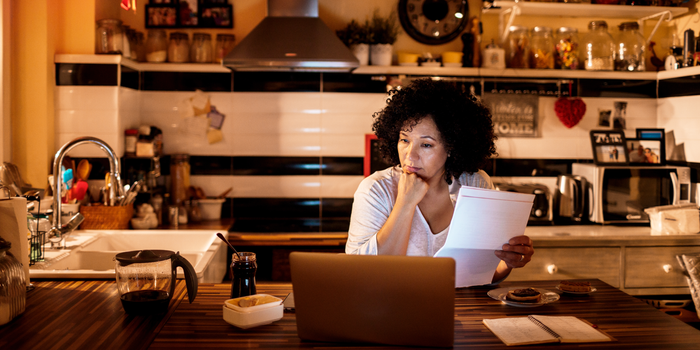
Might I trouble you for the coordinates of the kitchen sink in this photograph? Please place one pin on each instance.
(91, 253)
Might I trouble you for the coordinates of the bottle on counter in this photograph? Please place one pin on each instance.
(541, 48)
(630, 48)
(566, 48)
(518, 47)
(598, 47)
(243, 268)
(156, 46)
(178, 48)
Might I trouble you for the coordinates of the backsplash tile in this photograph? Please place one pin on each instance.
(87, 74)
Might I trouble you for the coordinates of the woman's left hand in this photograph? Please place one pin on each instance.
(517, 252)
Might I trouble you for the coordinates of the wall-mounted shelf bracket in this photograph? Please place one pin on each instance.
(665, 15)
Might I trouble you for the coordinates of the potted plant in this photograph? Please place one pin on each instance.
(382, 36)
(356, 37)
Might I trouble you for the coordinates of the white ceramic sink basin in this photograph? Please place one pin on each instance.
(90, 253)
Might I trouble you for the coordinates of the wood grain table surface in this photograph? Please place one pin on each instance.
(89, 315)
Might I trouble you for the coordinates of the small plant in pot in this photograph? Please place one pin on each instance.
(383, 32)
(356, 37)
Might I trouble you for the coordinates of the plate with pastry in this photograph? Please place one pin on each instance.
(523, 296)
(576, 287)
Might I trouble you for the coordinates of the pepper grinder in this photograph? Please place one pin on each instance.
(688, 47)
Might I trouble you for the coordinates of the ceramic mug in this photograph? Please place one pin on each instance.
(452, 57)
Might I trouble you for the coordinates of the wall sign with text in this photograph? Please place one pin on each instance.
(514, 115)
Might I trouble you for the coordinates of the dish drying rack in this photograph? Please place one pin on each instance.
(37, 238)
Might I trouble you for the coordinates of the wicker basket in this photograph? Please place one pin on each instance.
(100, 217)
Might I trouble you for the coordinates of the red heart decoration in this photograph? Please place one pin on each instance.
(570, 110)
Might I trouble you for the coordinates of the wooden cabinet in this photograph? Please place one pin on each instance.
(655, 266)
(572, 263)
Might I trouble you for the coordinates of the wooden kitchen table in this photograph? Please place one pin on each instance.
(88, 315)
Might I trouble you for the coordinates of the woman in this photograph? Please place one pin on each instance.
(437, 137)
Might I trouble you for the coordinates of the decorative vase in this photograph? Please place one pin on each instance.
(361, 51)
(381, 54)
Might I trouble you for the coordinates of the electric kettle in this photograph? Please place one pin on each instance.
(570, 198)
(146, 279)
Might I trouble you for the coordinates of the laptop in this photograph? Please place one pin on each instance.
(395, 300)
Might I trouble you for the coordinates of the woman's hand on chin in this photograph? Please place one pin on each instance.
(411, 188)
(517, 252)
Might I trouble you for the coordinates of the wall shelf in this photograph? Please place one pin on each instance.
(557, 9)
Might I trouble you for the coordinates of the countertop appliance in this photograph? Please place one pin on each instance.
(619, 194)
(541, 213)
(291, 38)
(570, 202)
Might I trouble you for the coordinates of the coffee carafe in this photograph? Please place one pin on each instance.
(570, 199)
(146, 279)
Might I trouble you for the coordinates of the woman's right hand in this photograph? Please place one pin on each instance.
(411, 189)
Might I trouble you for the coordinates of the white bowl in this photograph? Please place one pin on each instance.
(211, 208)
(253, 316)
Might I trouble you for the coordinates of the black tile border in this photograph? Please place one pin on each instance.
(276, 165)
(276, 82)
(87, 74)
(185, 81)
(685, 86)
(616, 88)
(130, 78)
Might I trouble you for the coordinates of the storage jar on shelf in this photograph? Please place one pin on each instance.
(541, 48)
(178, 48)
(566, 48)
(201, 49)
(109, 37)
(156, 46)
(224, 44)
(518, 47)
(630, 48)
(598, 47)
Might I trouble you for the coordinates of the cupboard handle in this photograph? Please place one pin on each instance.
(668, 268)
(552, 269)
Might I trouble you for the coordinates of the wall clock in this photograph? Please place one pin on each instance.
(433, 22)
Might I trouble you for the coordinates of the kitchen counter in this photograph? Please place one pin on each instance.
(88, 315)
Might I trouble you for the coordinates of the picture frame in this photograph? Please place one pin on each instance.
(654, 134)
(188, 13)
(609, 147)
(161, 16)
(218, 16)
(644, 151)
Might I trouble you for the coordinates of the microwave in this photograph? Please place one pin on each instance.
(619, 194)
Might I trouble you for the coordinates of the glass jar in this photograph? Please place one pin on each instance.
(243, 268)
(201, 49)
(13, 290)
(179, 178)
(224, 44)
(629, 48)
(179, 48)
(541, 48)
(566, 48)
(598, 47)
(108, 37)
(518, 47)
(139, 49)
(156, 46)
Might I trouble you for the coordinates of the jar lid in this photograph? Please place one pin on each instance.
(143, 256)
(598, 24)
(629, 26)
(156, 32)
(179, 35)
(109, 21)
(567, 30)
(201, 36)
(131, 132)
(517, 29)
(541, 29)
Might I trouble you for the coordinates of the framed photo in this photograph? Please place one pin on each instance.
(609, 147)
(644, 152)
(187, 13)
(161, 16)
(220, 16)
(647, 135)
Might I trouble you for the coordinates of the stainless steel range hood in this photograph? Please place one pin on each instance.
(291, 38)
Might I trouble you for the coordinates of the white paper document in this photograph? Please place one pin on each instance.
(483, 220)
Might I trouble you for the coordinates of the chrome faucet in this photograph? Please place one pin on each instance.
(57, 231)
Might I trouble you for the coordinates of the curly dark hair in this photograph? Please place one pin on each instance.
(464, 124)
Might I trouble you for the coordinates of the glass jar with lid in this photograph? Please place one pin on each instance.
(518, 47)
(13, 288)
(201, 49)
(629, 48)
(109, 36)
(566, 48)
(156, 46)
(179, 178)
(224, 44)
(139, 49)
(598, 47)
(178, 48)
(541, 48)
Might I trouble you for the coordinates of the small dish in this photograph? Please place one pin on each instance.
(593, 289)
(253, 316)
(501, 293)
